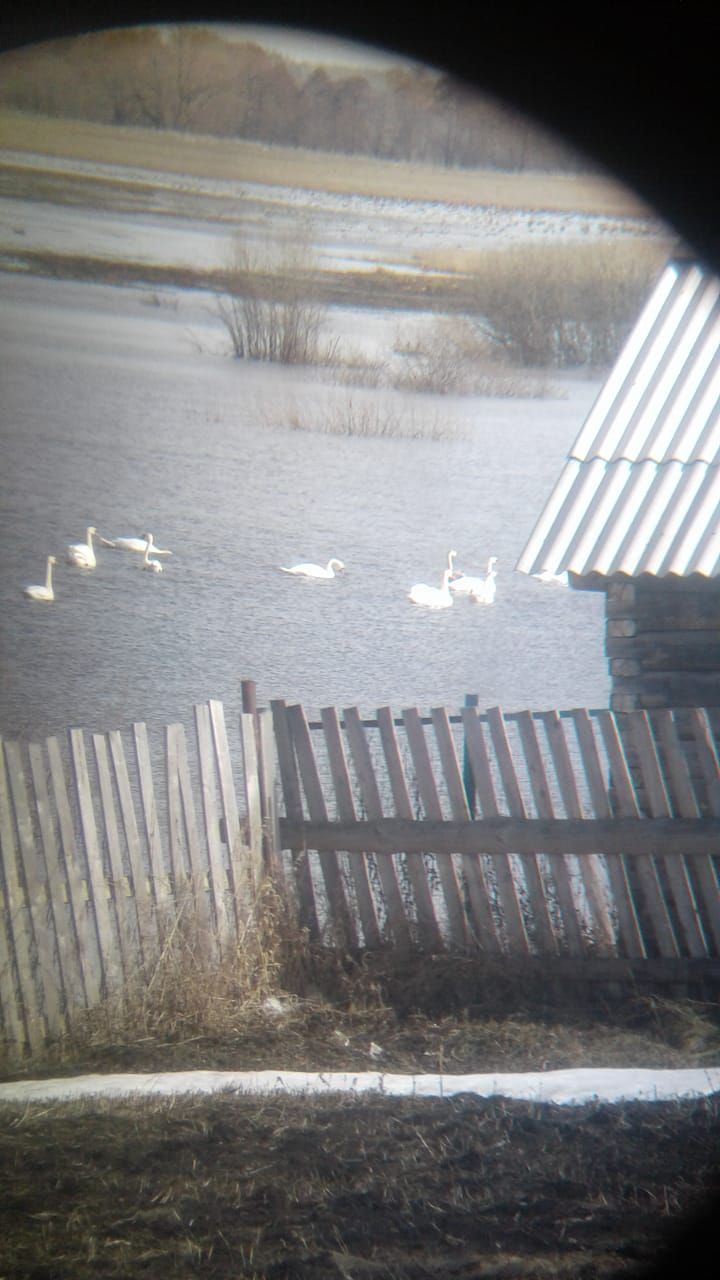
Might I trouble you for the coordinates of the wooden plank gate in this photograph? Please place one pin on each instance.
(591, 837)
(549, 834)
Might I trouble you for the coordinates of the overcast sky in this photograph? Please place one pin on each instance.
(311, 47)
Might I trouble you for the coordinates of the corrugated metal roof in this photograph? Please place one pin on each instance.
(640, 492)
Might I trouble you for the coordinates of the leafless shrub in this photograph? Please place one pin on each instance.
(267, 313)
(363, 417)
(458, 356)
(564, 306)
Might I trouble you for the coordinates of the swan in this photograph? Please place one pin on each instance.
(432, 597)
(46, 592)
(464, 584)
(82, 554)
(134, 544)
(148, 563)
(485, 593)
(315, 570)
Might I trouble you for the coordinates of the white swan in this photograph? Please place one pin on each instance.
(153, 565)
(134, 544)
(46, 592)
(315, 570)
(485, 593)
(432, 597)
(82, 554)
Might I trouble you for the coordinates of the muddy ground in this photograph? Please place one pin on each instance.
(290, 1189)
(324, 1188)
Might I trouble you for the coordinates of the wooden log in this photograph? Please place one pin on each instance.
(672, 689)
(677, 651)
(628, 924)
(97, 883)
(370, 795)
(478, 891)
(625, 837)
(307, 910)
(341, 918)
(346, 809)
(457, 925)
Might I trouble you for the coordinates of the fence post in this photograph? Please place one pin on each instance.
(471, 700)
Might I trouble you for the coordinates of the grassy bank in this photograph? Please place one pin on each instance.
(192, 156)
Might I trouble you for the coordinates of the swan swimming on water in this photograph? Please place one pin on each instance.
(153, 565)
(134, 544)
(432, 597)
(485, 593)
(315, 570)
(552, 579)
(82, 554)
(45, 592)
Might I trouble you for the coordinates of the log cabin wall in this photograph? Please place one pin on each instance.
(663, 642)
(663, 648)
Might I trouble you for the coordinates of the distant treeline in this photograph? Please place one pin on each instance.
(194, 79)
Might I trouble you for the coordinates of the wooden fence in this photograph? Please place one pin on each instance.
(581, 835)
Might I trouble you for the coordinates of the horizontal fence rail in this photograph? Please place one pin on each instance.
(592, 836)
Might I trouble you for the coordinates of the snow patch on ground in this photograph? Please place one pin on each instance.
(569, 1087)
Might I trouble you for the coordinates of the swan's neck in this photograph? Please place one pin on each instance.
(89, 537)
(48, 575)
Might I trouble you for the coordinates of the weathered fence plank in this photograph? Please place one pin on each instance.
(271, 827)
(457, 924)
(240, 871)
(623, 902)
(181, 812)
(508, 901)
(341, 917)
(159, 874)
(224, 919)
(370, 795)
(19, 918)
(477, 889)
(126, 927)
(542, 924)
(701, 873)
(659, 805)
(544, 805)
(97, 882)
(79, 899)
(601, 925)
(618, 837)
(643, 868)
(59, 907)
(139, 874)
(307, 909)
(429, 934)
(346, 808)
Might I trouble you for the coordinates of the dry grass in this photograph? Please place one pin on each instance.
(235, 161)
(369, 416)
